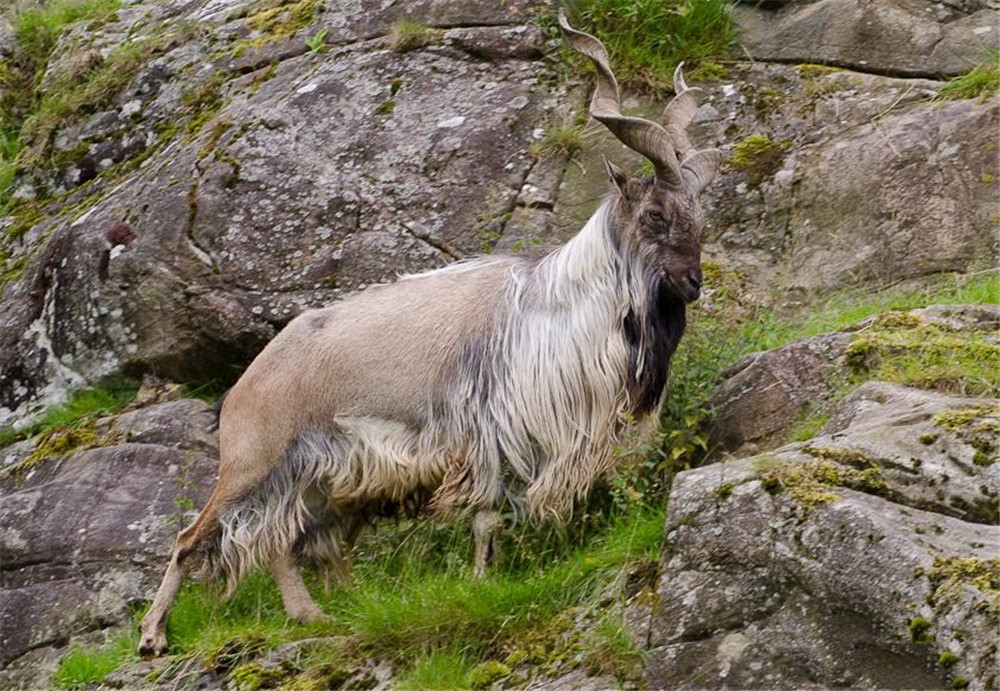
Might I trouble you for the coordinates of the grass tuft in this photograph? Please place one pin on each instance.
(560, 139)
(648, 38)
(82, 668)
(406, 35)
(981, 82)
(438, 670)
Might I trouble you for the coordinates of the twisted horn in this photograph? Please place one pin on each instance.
(697, 167)
(679, 112)
(642, 136)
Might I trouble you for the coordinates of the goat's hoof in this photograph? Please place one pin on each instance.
(305, 614)
(153, 645)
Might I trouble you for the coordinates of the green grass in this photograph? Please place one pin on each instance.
(81, 668)
(981, 82)
(411, 603)
(406, 35)
(439, 670)
(109, 396)
(847, 308)
(914, 353)
(648, 38)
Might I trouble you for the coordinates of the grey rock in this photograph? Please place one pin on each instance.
(304, 186)
(902, 37)
(765, 586)
(84, 536)
(763, 393)
(498, 43)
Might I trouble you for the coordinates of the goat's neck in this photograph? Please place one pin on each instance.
(587, 266)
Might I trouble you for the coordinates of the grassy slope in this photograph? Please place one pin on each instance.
(413, 602)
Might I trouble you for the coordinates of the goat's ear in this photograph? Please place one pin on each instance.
(617, 176)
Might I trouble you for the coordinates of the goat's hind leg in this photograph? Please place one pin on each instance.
(153, 630)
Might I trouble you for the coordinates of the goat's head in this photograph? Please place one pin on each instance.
(658, 219)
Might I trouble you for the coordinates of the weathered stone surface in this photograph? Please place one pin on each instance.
(879, 182)
(771, 581)
(317, 176)
(85, 535)
(873, 171)
(763, 393)
(901, 37)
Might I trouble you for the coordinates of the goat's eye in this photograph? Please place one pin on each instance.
(654, 217)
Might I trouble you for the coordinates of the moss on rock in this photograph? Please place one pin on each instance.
(758, 156)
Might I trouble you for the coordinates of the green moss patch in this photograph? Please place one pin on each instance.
(903, 349)
(919, 631)
(951, 576)
(812, 484)
(758, 156)
(485, 674)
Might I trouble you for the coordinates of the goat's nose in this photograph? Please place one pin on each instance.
(694, 279)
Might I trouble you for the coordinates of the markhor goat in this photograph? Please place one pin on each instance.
(491, 381)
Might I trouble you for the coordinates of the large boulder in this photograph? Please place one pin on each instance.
(863, 558)
(85, 536)
(766, 396)
(899, 37)
(272, 179)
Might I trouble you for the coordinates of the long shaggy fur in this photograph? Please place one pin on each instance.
(525, 412)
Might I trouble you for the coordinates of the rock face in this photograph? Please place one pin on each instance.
(899, 37)
(83, 536)
(763, 393)
(306, 176)
(863, 558)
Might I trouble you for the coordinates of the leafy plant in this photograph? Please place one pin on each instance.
(317, 42)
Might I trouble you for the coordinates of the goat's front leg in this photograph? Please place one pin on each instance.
(486, 529)
(294, 594)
